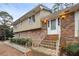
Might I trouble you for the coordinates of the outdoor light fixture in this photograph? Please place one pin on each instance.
(45, 21)
(62, 17)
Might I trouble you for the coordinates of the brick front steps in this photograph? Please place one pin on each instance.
(49, 42)
(41, 51)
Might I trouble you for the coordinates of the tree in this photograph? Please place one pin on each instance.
(5, 18)
(8, 32)
(61, 6)
(56, 7)
(68, 4)
(6, 23)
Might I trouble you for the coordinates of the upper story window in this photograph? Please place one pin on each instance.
(31, 19)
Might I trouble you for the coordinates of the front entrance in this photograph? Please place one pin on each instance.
(53, 27)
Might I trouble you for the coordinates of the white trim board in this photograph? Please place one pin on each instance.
(76, 16)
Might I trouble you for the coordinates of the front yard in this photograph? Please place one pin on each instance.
(6, 50)
(12, 49)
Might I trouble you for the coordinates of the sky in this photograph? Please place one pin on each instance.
(16, 10)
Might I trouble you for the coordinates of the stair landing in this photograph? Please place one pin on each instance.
(44, 51)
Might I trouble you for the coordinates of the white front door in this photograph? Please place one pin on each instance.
(53, 27)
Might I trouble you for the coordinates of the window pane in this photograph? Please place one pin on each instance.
(53, 24)
(33, 18)
(29, 19)
(48, 23)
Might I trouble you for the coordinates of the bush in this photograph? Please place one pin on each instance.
(22, 41)
(72, 50)
(13, 40)
(19, 41)
(29, 42)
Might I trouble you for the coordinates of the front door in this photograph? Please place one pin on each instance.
(53, 27)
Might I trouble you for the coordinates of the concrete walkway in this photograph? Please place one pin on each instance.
(44, 51)
(6, 50)
(18, 47)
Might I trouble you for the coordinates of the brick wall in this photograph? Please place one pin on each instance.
(68, 30)
(36, 35)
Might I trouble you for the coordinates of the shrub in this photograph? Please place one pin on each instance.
(29, 42)
(13, 40)
(22, 41)
(72, 50)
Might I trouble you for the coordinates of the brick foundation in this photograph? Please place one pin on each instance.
(36, 35)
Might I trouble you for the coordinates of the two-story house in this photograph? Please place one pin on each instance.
(47, 29)
(30, 25)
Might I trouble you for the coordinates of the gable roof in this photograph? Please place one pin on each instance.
(32, 12)
(63, 12)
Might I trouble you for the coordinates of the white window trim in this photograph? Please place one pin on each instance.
(30, 21)
(56, 31)
(76, 16)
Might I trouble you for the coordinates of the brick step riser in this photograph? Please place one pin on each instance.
(53, 47)
(49, 47)
(50, 39)
(48, 43)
